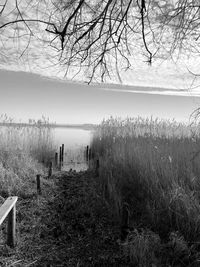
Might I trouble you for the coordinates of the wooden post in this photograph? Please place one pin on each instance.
(60, 158)
(87, 153)
(50, 169)
(125, 221)
(38, 184)
(11, 237)
(56, 159)
(90, 154)
(97, 167)
(62, 153)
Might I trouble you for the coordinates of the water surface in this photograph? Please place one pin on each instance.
(75, 141)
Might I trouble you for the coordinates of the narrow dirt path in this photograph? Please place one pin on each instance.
(81, 225)
(69, 225)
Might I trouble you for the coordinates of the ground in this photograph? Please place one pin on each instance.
(69, 224)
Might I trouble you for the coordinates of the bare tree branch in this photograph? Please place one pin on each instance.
(98, 34)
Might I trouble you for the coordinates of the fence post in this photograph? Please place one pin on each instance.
(56, 159)
(38, 184)
(125, 221)
(90, 154)
(97, 167)
(11, 232)
(87, 153)
(62, 157)
(50, 169)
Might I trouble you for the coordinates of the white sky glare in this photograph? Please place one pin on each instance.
(167, 89)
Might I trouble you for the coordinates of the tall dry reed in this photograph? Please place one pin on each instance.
(23, 147)
(153, 165)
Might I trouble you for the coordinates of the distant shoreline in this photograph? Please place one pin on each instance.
(77, 126)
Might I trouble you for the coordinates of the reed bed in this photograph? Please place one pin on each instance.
(24, 151)
(153, 167)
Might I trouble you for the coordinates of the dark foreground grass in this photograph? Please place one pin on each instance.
(68, 225)
(151, 168)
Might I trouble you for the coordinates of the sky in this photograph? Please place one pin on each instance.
(26, 95)
(32, 85)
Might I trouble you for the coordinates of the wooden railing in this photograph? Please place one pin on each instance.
(8, 209)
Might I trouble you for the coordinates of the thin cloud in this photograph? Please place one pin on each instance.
(172, 92)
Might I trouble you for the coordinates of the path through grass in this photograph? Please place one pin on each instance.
(69, 225)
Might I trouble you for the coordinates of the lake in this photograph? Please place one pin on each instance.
(75, 141)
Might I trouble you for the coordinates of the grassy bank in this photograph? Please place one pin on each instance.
(24, 151)
(68, 225)
(152, 167)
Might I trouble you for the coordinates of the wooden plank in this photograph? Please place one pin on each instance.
(11, 232)
(6, 207)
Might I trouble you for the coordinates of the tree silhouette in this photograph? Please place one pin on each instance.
(102, 35)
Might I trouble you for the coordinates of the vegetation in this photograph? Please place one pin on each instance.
(68, 225)
(152, 166)
(98, 38)
(23, 149)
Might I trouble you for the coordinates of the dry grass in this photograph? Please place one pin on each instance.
(30, 228)
(154, 167)
(23, 149)
(68, 225)
(142, 248)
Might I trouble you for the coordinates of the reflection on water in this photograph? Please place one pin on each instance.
(75, 141)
